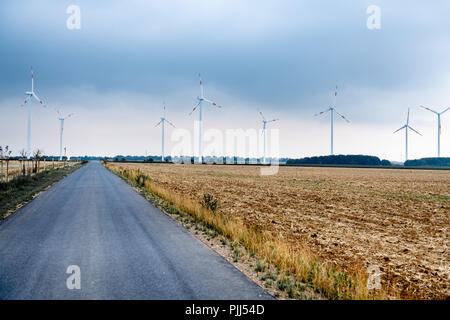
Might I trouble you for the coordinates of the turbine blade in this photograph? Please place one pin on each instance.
(39, 100)
(212, 103)
(335, 96)
(158, 123)
(201, 85)
(273, 120)
(445, 110)
(428, 109)
(195, 107)
(170, 123)
(25, 102)
(400, 129)
(342, 116)
(264, 118)
(322, 112)
(71, 114)
(415, 130)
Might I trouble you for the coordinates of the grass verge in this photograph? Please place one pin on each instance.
(23, 189)
(271, 252)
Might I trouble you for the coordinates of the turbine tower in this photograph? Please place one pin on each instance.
(30, 94)
(61, 120)
(163, 119)
(332, 110)
(406, 127)
(265, 122)
(439, 126)
(201, 99)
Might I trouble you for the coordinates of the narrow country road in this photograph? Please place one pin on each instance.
(125, 248)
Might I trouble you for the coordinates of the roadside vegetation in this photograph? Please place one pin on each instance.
(21, 165)
(23, 187)
(292, 270)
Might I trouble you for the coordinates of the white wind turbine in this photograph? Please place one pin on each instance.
(333, 110)
(199, 105)
(30, 94)
(406, 127)
(163, 119)
(61, 120)
(439, 126)
(265, 122)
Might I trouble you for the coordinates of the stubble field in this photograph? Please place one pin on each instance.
(395, 219)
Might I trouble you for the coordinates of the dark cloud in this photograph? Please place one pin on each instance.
(281, 55)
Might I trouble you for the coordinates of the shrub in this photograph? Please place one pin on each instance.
(141, 179)
(260, 266)
(209, 202)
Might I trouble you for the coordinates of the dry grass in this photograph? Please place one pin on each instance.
(330, 280)
(15, 166)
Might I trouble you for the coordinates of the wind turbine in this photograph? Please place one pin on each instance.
(406, 127)
(163, 119)
(265, 122)
(30, 94)
(61, 119)
(201, 99)
(439, 126)
(332, 109)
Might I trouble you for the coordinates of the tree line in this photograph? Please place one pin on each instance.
(27, 166)
(360, 160)
(428, 162)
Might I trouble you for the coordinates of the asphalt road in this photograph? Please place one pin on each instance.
(125, 248)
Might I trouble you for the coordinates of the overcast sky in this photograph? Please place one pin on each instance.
(284, 57)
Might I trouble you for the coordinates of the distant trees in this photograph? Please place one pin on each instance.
(37, 156)
(119, 158)
(130, 158)
(23, 159)
(44, 158)
(5, 154)
(360, 160)
(27, 166)
(428, 162)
